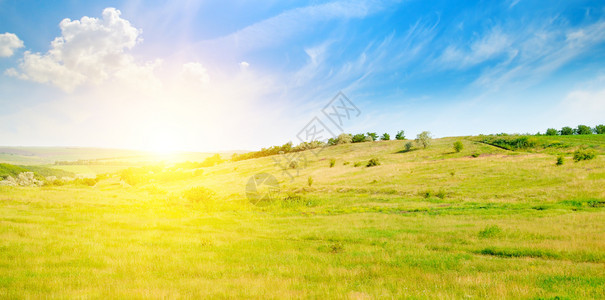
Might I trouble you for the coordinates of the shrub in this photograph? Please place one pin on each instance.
(441, 194)
(344, 138)
(475, 155)
(400, 135)
(551, 131)
(332, 141)
(566, 130)
(408, 146)
(345, 163)
(373, 135)
(359, 138)
(385, 137)
(293, 164)
(200, 195)
(458, 146)
(310, 181)
(358, 164)
(373, 162)
(583, 129)
(424, 139)
(599, 129)
(332, 162)
(584, 154)
(560, 160)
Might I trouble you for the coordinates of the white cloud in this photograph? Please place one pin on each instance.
(195, 72)
(583, 106)
(490, 46)
(8, 43)
(244, 65)
(89, 50)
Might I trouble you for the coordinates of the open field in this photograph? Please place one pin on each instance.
(426, 223)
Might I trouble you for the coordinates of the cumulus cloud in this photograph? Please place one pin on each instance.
(244, 65)
(8, 43)
(89, 50)
(195, 72)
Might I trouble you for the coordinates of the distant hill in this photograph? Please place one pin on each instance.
(14, 171)
(50, 155)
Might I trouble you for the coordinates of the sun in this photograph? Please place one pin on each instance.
(163, 142)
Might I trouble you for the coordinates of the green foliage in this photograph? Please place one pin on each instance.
(584, 154)
(476, 154)
(385, 137)
(10, 170)
(346, 163)
(358, 164)
(332, 162)
(583, 129)
(344, 138)
(512, 143)
(408, 146)
(373, 162)
(424, 139)
(599, 129)
(458, 146)
(560, 160)
(359, 138)
(552, 131)
(566, 130)
(490, 232)
(200, 195)
(373, 136)
(400, 135)
(310, 181)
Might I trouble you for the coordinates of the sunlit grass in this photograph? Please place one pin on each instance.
(423, 224)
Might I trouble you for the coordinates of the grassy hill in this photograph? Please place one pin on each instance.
(486, 222)
(40, 172)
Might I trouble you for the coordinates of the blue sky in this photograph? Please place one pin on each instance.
(216, 75)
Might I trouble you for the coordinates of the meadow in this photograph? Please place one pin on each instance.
(485, 222)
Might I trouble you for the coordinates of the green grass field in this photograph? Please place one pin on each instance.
(427, 223)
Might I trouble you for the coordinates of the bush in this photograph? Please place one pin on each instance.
(344, 138)
(408, 146)
(475, 155)
(359, 138)
(332, 162)
(345, 163)
(560, 160)
(458, 146)
(373, 162)
(400, 135)
(357, 164)
(424, 139)
(583, 129)
(599, 129)
(566, 130)
(310, 181)
(200, 195)
(584, 154)
(551, 131)
(385, 137)
(373, 136)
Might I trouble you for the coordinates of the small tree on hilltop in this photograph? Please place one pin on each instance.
(566, 130)
(385, 137)
(373, 135)
(551, 131)
(583, 129)
(408, 146)
(344, 138)
(424, 139)
(400, 135)
(358, 138)
(599, 129)
(458, 146)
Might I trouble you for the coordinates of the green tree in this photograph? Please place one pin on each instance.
(552, 131)
(344, 138)
(566, 130)
(385, 137)
(408, 146)
(400, 135)
(424, 139)
(599, 129)
(583, 129)
(359, 138)
(373, 135)
(458, 146)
